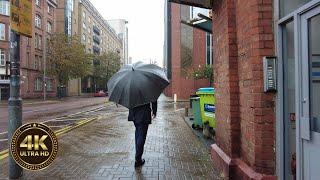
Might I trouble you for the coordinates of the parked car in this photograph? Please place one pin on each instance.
(100, 93)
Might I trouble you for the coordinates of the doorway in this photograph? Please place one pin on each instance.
(309, 100)
(299, 93)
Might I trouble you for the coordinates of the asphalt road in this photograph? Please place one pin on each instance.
(38, 112)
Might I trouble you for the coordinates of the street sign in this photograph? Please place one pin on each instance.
(21, 17)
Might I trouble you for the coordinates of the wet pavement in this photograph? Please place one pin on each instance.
(104, 149)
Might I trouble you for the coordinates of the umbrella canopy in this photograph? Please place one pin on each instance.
(137, 84)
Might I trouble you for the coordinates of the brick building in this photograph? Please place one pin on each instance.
(185, 51)
(4, 49)
(264, 134)
(32, 52)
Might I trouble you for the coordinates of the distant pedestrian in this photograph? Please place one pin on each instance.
(141, 117)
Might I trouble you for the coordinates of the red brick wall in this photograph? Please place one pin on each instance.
(243, 35)
(255, 40)
(185, 86)
(226, 77)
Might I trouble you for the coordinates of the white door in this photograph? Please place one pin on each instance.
(310, 94)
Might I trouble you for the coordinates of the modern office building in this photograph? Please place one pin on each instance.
(97, 36)
(120, 26)
(266, 64)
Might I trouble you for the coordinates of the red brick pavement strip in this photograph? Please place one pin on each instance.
(104, 149)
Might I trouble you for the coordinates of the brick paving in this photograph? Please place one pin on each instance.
(104, 149)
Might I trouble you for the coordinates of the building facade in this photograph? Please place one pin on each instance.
(97, 36)
(4, 49)
(34, 83)
(120, 26)
(266, 65)
(185, 52)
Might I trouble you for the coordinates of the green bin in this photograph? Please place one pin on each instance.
(207, 105)
(197, 122)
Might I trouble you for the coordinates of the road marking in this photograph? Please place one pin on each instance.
(5, 153)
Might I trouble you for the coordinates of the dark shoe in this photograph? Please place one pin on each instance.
(139, 163)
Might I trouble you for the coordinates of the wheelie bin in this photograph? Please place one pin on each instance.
(207, 105)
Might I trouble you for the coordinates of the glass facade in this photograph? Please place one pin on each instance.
(68, 17)
(288, 6)
(289, 96)
(314, 61)
(186, 41)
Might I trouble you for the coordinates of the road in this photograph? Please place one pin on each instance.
(38, 112)
(104, 149)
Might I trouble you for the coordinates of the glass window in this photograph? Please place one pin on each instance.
(288, 6)
(209, 49)
(2, 31)
(84, 15)
(84, 37)
(84, 25)
(186, 43)
(35, 62)
(5, 8)
(289, 95)
(50, 9)
(38, 84)
(49, 85)
(2, 57)
(38, 21)
(38, 2)
(49, 27)
(314, 46)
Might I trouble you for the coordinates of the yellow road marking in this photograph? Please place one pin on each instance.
(5, 153)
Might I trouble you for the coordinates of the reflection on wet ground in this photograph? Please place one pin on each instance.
(104, 149)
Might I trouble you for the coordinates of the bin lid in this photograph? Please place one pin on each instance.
(207, 90)
(195, 98)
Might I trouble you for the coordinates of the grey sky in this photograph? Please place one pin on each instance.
(146, 25)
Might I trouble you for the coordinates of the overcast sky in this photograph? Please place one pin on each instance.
(146, 25)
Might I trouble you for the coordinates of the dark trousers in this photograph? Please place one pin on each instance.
(140, 139)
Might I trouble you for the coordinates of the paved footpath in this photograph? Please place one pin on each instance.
(104, 149)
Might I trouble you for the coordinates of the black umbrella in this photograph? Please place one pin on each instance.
(137, 84)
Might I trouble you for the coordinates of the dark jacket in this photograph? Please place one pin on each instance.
(142, 114)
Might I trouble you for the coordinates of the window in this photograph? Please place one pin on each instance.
(5, 8)
(288, 6)
(50, 9)
(84, 37)
(84, 15)
(38, 3)
(49, 85)
(35, 62)
(2, 57)
(38, 21)
(28, 59)
(38, 84)
(38, 41)
(2, 31)
(28, 41)
(49, 27)
(84, 25)
(89, 19)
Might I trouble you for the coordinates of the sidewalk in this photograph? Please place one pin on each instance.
(104, 149)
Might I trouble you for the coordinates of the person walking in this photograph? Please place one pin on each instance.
(141, 117)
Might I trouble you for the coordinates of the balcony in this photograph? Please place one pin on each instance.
(96, 50)
(54, 2)
(96, 39)
(96, 30)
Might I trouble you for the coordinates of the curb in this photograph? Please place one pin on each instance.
(5, 153)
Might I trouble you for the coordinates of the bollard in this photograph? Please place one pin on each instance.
(186, 111)
(175, 98)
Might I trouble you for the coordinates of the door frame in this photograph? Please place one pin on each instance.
(281, 140)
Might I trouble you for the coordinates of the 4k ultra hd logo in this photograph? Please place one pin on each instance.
(34, 146)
